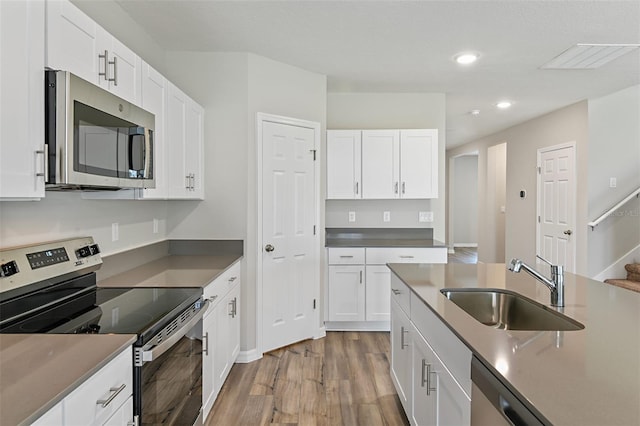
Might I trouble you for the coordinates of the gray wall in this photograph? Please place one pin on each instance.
(390, 111)
(614, 151)
(464, 200)
(568, 124)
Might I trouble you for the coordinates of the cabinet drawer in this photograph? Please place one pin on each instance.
(444, 343)
(401, 294)
(383, 255)
(97, 399)
(217, 288)
(346, 255)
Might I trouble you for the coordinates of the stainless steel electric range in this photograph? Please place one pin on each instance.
(51, 288)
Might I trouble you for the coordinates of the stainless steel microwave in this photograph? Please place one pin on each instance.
(94, 139)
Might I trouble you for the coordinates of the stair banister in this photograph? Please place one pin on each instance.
(606, 214)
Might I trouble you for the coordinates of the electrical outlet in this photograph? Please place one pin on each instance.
(613, 182)
(352, 216)
(425, 216)
(115, 232)
(155, 225)
(386, 216)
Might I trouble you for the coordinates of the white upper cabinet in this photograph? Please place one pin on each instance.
(22, 101)
(77, 44)
(154, 100)
(344, 163)
(184, 146)
(419, 163)
(382, 164)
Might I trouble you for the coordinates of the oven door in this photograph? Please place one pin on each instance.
(168, 373)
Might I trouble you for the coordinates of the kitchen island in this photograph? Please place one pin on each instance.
(582, 377)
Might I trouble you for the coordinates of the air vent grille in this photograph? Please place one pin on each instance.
(588, 56)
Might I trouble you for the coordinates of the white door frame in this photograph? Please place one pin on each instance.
(260, 119)
(572, 145)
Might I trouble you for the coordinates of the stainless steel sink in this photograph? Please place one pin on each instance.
(509, 310)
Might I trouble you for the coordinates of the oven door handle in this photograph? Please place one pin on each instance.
(149, 355)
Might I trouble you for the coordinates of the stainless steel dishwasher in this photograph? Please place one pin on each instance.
(493, 404)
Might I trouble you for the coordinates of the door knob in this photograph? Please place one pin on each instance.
(269, 248)
(567, 232)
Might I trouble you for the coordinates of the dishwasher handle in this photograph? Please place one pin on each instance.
(152, 351)
(512, 409)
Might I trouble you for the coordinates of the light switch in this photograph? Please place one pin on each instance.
(425, 216)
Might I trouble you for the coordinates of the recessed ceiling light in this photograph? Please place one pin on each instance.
(474, 112)
(503, 104)
(466, 58)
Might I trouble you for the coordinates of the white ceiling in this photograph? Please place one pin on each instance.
(408, 46)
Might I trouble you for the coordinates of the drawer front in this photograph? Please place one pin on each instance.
(217, 288)
(383, 255)
(401, 294)
(445, 344)
(345, 255)
(97, 399)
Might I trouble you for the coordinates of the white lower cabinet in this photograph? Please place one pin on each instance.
(221, 334)
(359, 282)
(106, 398)
(430, 366)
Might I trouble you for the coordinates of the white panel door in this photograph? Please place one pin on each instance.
(556, 198)
(380, 164)
(419, 163)
(288, 216)
(346, 293)
(194, 139)
(378, 293)
(344, 162)
(178, 181)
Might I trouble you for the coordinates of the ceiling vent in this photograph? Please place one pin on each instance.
(588, 56)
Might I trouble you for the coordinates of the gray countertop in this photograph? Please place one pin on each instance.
(584, 377)
(381, 237)
(174, 271)
(38, 370)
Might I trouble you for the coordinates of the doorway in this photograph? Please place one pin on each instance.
(288, 275)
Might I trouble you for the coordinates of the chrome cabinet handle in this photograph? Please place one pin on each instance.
(269, 248)
(406, 257)
(188, 181)
(360, 277)
(403, 187)
(115, 70)
(44, 164)
(234, 307)
(205, 350)
(357, 187)
(193, 181)
(395, 190)
(395, 291)
(115, 392)
(105, 73)
(402, 343)
(426, 377)
(232, 279)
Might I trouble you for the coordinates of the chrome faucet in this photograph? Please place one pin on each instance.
(555, 284)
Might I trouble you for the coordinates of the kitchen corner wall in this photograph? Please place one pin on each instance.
(389, 111)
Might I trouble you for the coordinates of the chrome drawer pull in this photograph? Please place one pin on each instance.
(406, 257)
(402, 344)
(395, 291)
(232, 279)
(116, 392)
(346, 257)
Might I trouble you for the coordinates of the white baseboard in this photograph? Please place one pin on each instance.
(245, 357)
(465, 244)
(357, 325)
(451, 250)
(616, 270)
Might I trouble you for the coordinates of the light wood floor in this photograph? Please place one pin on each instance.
(464, 255)
(342, 379)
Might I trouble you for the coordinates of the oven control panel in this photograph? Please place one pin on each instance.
(22, 266)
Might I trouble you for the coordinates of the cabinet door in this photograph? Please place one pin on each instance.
(424, 405)
(179, 182)
(72, 41)
(124, 415)
(401, 355)
(344, 164)
(154, 100)
(419, 163)
(221, 361)
(346, 293)
(53, 417)
(22, 100)
(194, 163)
(125, 72)
(380, 164)
(208, 357)
(453, 405)
(234, 324)
(378, 293)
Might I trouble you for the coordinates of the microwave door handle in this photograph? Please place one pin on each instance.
(132, 134)
(148, 152)
(150, 355)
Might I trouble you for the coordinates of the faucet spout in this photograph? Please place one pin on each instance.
(555, 284)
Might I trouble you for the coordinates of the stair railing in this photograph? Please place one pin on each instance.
(606, 214)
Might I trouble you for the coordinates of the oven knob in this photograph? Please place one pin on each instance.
(83, 252)
(8, 269)
(94, 249)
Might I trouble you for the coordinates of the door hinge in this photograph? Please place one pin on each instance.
(314, 303)
(539, 170)
(314, 154)
(538, 219)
